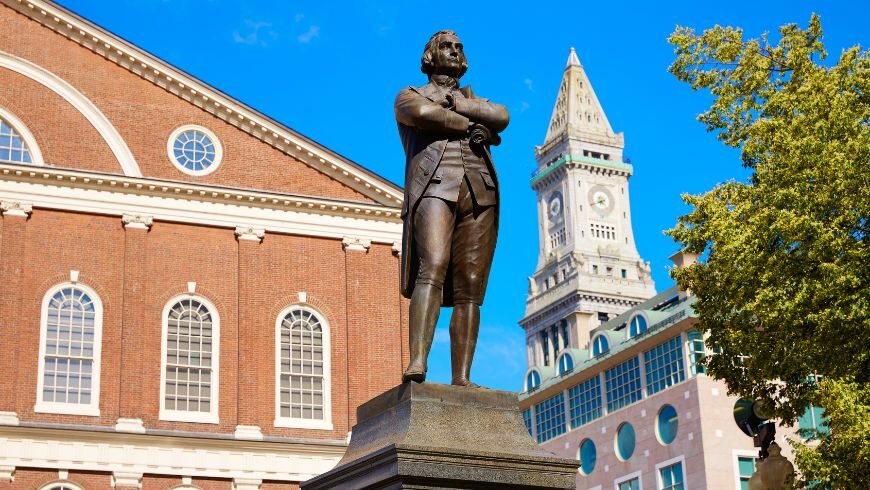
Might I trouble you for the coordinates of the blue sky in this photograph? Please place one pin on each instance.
(287, 58)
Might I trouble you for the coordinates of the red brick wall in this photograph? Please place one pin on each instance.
(136, 272)
(53, 121)
(144, 114)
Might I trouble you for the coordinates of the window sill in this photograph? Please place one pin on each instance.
(195, 417)
(67, 409)
(303, 424)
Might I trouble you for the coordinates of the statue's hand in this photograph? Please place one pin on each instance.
(448, 102)
(479, 134)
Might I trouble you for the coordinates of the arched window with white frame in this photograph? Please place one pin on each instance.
(17, 144)
(190, 360)
(302, 363)
(69, 351)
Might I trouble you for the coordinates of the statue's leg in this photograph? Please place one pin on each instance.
(464, 325)
(433, 224)
(473, 248)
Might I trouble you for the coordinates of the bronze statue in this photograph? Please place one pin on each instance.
(451, 204)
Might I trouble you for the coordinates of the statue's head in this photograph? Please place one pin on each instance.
(444, 55)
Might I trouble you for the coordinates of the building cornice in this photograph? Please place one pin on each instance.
(570, 162)
(93, 450)
(208, 98)
(164, 200)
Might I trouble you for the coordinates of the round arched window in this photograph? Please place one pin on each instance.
(587, 456)
(12, 146)
(195, 150)
(625, 441)
(638, 326)
(600, 345)
(666, 424)
(533, 380)
(566, 363)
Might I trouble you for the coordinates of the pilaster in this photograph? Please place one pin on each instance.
(12, 256)
(134, 327)
(250, 336)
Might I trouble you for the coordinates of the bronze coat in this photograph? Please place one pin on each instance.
(425, 128)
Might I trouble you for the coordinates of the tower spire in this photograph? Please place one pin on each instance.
(577, 113)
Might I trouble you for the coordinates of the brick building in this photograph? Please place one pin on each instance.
(186, 285)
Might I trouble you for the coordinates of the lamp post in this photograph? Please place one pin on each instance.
(773, 472)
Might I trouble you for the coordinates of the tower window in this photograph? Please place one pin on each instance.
(624, 273)
(595, 269)
(610, 271)
(602, 231)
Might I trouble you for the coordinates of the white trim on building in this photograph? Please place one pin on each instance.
(664, 464)
(629, 477)
(181, 202)
(735, 469)
(81, 103)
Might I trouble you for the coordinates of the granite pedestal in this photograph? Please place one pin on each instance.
(428, 436)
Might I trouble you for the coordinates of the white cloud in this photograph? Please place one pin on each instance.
(529, 84)
(256, 33)
(524, 106)
(306, 37)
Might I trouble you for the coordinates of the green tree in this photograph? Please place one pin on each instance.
(783, 291)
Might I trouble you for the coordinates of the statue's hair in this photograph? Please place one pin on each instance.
(427, 66)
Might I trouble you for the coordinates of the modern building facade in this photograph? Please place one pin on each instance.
(614, 378)
(187, 287)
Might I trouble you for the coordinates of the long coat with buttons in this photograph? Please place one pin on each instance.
(425, 128)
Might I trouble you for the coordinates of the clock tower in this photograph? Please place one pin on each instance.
(588, 268)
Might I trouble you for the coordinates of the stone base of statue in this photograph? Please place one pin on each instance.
(428, 436)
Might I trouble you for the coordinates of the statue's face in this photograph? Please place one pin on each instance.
(448, 56)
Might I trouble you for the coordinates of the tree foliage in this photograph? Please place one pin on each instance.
(783, 291)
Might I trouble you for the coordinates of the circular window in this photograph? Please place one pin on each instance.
(625, 441)
(587, 456)
(666, 424)
(194, 150)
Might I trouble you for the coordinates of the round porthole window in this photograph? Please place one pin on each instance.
(587, 456)
(625, 441)
(194, 150)
(666, 424)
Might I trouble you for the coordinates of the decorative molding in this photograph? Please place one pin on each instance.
(303, 297)
(62, 474)
(137, 221)
(7, 473)
(397, 249)
(81, 103)
(250, 234)
(131, 425)
(73, 276)
(220, 105)
(248, 432)
(9, 418)
(85, 450)
(181, 202)
(246, 484)
(191, 287)
(16, 208)
(125, 479)
(19, 126)
(355, 244)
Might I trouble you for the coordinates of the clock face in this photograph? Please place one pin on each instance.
(555, 206)
(601, 200)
